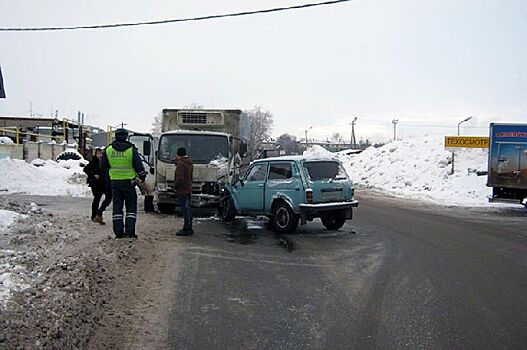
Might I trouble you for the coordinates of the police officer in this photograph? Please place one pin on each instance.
(124, 165)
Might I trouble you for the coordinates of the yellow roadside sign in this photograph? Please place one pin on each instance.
(466, 142)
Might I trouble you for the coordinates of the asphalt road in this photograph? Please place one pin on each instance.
(413, 276)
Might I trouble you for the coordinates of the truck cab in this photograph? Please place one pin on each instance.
(146, 146)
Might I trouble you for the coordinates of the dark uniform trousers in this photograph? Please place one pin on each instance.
(124, 194)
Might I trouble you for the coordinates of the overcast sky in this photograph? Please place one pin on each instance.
(430, 62)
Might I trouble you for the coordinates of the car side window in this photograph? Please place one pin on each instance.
(257, 173)
(280, 171)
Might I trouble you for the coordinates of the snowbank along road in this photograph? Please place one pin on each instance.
(413, 276)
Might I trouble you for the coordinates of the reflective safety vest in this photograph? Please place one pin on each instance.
(121, 163)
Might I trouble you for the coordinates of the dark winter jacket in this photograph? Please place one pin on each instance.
(137, 163)
(93, 169)
(183, 176)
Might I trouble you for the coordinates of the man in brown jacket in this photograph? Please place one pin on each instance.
(183, 188)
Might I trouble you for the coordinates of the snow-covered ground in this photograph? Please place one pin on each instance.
(9, 268)
(419, 168)
(7, 218)
(43, 177)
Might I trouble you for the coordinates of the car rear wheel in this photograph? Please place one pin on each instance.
(228, 213)
(284, 219)
(334, 220)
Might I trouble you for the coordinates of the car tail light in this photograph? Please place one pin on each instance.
(309, 196)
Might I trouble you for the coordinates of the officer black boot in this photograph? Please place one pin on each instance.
(184, 232)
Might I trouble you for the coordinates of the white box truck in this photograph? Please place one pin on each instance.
(216, 141)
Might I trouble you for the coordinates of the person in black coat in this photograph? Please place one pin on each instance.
(100, 185)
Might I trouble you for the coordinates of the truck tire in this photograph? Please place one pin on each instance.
(67, 155)
(284, 219)
(334, 220)
(228, 212)
(149, 204)
(166, 208)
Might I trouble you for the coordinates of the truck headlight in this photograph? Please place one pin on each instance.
(162, 187)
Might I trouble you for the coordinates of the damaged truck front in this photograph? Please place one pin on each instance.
(216, 141)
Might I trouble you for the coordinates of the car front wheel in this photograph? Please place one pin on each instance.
(228, 213)
(284, 219)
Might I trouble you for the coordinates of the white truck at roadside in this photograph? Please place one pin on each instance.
(216, 141)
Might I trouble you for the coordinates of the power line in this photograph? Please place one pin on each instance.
(175, 20)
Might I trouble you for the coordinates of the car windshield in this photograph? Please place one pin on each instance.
(202, 149)
(325, 170)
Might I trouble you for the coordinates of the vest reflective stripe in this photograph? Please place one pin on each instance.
(121, 167)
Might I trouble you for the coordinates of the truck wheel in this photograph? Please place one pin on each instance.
(228, 213)
(166, 208)
(284, 220)
(149, 204)
(334, 220)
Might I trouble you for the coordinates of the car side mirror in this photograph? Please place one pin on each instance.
(146, 148)
(152, 171)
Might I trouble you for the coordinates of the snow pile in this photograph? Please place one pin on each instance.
(7, 218)
(4, 140)
(13, 275)
(420, 168)
(317, 151)
(62, 178)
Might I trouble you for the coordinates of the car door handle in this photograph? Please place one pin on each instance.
(297, 188)
(261, 185)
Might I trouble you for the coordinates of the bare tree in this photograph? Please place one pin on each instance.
(261, 126)
(194, 105)
(156, 125)
(288, 143)
(336, 137)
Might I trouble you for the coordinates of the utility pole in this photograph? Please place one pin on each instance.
(395, 122)
(307, 144)
(353, 140)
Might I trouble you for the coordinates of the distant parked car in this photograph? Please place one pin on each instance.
(291, 189)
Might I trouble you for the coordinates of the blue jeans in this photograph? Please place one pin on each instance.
(107, 197)
(123, 193)
(184, 205)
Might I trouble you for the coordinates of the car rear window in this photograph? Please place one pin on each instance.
(324, 170)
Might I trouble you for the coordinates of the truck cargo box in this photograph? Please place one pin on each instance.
(230, 121)
(508, 161)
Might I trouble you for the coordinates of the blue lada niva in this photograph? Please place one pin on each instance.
(290, 190)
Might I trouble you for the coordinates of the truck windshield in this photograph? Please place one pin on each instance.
(325, 170)
(202, 149)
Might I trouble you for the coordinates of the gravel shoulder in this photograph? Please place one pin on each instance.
(72, 274)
